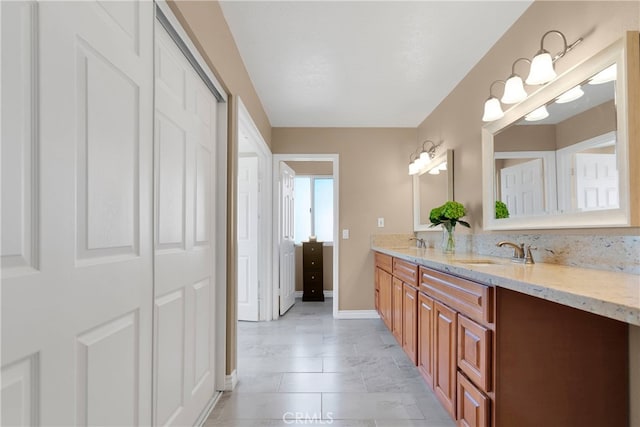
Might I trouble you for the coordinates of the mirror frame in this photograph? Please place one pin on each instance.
(448, 157)
(615, 53)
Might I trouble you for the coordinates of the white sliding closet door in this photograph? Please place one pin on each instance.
(185, 144)
(76, 213)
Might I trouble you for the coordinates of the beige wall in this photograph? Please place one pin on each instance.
(312, 168)
(457, 120)
(593, 122)
(373, 182)
(207, 28)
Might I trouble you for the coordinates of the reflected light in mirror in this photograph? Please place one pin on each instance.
(604, 76)
(570, 95)
(435, 171)
(537, 114)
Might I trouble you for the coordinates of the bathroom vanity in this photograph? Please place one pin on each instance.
(506, 344)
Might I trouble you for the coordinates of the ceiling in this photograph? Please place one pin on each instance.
(362, 63)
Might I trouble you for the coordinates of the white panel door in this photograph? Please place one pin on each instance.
(76, 213)
(596, 181)
(185, 146)
(522, 188)
(286, 242)
(248, 238)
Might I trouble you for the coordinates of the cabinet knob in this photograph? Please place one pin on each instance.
(313, 263)
(313, 277)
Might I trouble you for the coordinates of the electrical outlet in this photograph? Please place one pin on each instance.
(380, 222)
(345, 234)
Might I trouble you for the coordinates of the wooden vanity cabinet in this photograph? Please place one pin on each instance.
(500, 358)
(383, 287)
(454, 341)
(473, 405)
(425, 337)
(444, 356)
(396, 310)
(410, 322)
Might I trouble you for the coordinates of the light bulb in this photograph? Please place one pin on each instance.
(492, 110)
(607, 75)
(513, 90)
(537, 114)
(541, 70)
(570, 95)
(434, 171)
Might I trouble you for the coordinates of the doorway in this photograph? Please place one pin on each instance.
(254, 234)
(277, 206)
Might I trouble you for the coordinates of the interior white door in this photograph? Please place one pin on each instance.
(76, 212)
(248, 199)
(596, 181)
(522, 188)
(285, 237)
(185, 142)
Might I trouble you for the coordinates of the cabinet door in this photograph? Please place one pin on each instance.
(384, 281)
(396, 311)
(473, 406)
(425, 337)
(410, 321)
(474, 352)
(444, 340)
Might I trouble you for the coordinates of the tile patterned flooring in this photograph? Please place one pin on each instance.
(309, 369)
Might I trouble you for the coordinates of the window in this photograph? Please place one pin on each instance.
(313, 208)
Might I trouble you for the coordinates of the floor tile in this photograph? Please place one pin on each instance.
(370, 405)
(275, 406)
(322, 382)
(279, 364)
(310, 369)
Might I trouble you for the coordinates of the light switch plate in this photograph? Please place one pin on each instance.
(345, 234)
(380, 222)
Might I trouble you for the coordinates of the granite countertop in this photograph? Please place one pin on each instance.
(606, 293)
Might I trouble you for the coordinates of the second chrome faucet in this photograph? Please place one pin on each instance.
(519, 252)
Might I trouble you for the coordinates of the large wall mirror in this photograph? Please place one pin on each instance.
(560, 158)
(432, 187)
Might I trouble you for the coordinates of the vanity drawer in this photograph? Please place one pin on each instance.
(469, 298)
(384, 262)
(406, 271)
(474, 352)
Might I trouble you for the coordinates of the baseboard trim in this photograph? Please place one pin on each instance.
(230, 381)
(327, 294)
(208, 409)
(357, 314)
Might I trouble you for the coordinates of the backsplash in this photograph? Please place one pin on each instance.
(611, 253)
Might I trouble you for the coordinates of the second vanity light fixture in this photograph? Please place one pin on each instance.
(541, 72)
(419, 159)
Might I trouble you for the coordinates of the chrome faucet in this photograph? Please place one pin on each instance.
(420, 243)
(518, 252)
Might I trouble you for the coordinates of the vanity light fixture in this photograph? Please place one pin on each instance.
(570, 95)
(542, 70)
(537, 114)
(418, 160)
(492, 108)
(514, 88)
(607, 75)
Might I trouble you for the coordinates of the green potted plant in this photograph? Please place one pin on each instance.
(448, 215)
(501, 210)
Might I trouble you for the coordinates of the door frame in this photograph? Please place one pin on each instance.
(265, 231)
(334, 159)
(220, 207)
